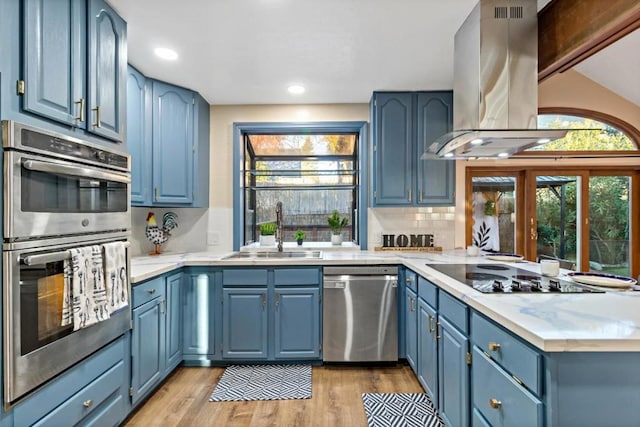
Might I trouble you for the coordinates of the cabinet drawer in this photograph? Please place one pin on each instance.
(244, 277)
(428, 291)
(514, 355)
(100, 369)
(147, 291)
(499, 398)
(297, 276)
(411, 280)
(88, 399)
(455, 311)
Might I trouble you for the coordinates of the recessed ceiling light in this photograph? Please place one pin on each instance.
(477, 141)
(296, 89)
(503, 154)
(543, 140)
(166, 53)
(448, 155)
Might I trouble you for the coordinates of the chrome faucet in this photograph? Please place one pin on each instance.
(279, 231)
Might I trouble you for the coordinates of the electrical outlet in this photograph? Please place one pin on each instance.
(213, 238)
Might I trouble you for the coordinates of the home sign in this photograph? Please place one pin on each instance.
(404, 241)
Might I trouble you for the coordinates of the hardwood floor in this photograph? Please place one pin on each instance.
(183, 400)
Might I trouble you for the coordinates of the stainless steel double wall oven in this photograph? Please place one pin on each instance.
(59, 193)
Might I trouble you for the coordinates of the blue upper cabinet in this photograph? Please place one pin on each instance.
(435, 178)
(107, 71)
(404, 125)
(392, 148)
(78, 77)
(139, 135)
(54, 67)
(168, 137)
(172, 144)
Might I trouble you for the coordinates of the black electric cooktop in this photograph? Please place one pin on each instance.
(505, 279)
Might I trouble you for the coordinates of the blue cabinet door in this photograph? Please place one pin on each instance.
(139, 135)
(172, 144)
(198, 315)
(411, 328)
(393, 149)
(147, 348)
(453, 375)
(173, 329)
(427, 349)
(54, 69)
(297, 323)
(435, 178)
(244, 323)
(107, 71)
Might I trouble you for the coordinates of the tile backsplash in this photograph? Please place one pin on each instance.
(439, 221)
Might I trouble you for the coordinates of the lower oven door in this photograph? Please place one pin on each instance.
(36, 347)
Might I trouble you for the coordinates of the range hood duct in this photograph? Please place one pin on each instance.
(495, 86)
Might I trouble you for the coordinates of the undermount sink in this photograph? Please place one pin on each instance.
(274, 254)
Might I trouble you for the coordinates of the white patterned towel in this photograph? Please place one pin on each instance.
(84, 294)
(115, 274)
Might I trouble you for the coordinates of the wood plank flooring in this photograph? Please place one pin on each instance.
(183, 400)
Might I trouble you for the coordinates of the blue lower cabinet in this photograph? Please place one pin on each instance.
(411, 325)
(173, 332)
(499, 398)
(297, 323)
(453, 374)
(244, 319)
(199, 315)
(94, 392)
(147, 348)
(427, 350)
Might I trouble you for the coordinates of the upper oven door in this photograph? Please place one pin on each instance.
(46, 197)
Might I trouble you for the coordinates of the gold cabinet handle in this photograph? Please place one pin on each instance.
(436, 330)
(420, 196)
(429, 327)
(80, 116)
(155, 194)
(494, 346)
(87, 403)
(151, 291)
(411, 304)
(410, 194)
(495, 403)
(98, 121)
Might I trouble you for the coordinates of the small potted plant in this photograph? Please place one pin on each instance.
(336, 224)
(300, 235)
(268, 234)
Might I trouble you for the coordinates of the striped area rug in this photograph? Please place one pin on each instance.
(263, 382)
(400, 410)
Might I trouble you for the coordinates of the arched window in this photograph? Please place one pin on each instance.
(593, 132)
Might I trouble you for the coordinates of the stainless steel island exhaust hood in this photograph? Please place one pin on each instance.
(495, 87)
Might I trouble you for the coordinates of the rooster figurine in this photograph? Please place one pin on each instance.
(159, 235)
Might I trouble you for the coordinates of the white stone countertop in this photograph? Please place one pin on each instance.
(551, 322)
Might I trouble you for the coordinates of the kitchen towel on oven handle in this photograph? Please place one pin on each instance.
(85, 296)
(115, 274)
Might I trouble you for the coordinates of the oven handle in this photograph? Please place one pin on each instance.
(36, 165)
(49, 257)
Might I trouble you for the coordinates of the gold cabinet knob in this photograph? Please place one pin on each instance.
(87, 403)
(494, 346)
(495, 403)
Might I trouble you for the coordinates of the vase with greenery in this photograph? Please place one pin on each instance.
(336, 224)
(300, 235)
(268, 234)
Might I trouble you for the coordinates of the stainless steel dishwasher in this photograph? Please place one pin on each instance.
(360, 315)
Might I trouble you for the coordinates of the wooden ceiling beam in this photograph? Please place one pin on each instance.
(570, 31)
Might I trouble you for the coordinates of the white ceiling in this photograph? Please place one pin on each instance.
(616, 67)
(250, 51)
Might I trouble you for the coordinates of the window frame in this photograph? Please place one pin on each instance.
(242, 128)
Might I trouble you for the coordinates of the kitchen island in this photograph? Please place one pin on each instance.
(510, 359)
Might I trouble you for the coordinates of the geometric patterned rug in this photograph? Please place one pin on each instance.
(263, 382)
(400, 410)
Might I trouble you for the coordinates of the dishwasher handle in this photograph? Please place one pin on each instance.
(334, 284)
